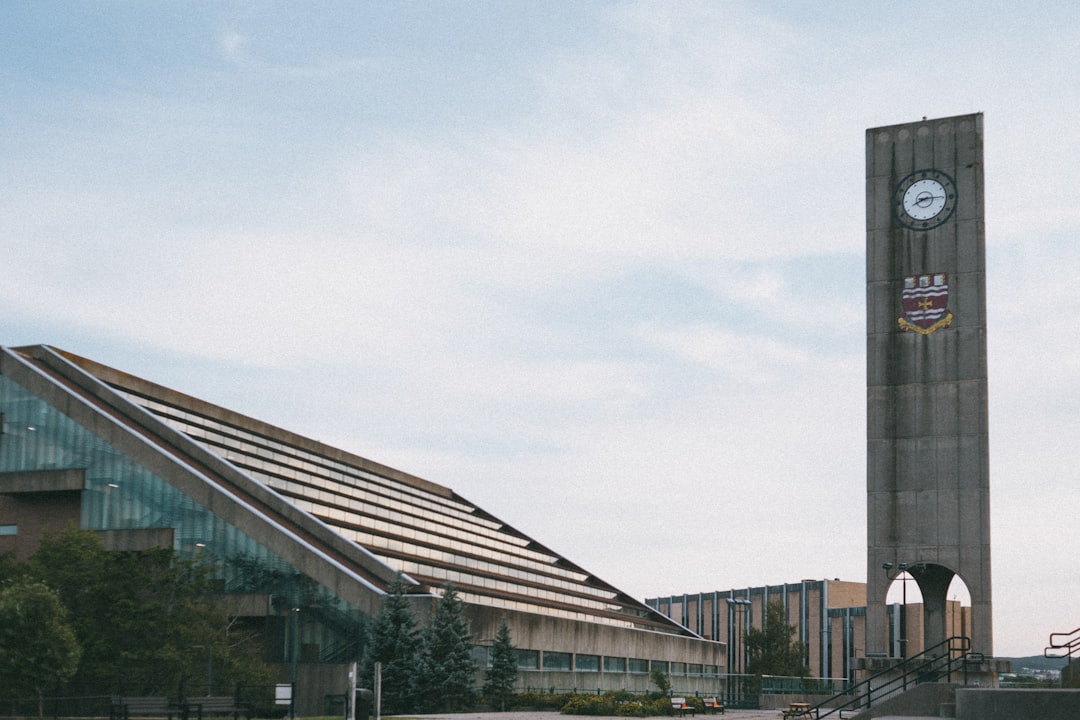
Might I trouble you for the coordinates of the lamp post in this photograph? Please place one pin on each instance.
(105, 505)
(737, 610)
(295, 612)
(209, 666)
(903, 575)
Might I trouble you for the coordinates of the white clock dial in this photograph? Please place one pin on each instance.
(924, 199)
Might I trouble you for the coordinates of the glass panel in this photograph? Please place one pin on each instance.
(9, 529)
(637, 665)
(587, 663)
(528, 659)
(614, 664)
(120, 494)
(556, 660)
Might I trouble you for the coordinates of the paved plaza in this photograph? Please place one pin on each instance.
(732, 714)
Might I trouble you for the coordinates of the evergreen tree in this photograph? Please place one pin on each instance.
(500, 678)
(446, 672)
(772, 649)
(394, 644)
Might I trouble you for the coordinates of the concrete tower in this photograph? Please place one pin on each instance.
(928, 491)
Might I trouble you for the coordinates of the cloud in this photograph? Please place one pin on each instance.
(232, 45)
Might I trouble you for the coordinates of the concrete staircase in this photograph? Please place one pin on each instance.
(943, 700)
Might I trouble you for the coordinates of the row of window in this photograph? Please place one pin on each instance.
(294, 461)
(550, 660)
(428, 522)
(412, 528)
(425, 517)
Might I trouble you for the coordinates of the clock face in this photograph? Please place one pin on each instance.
(924, 199)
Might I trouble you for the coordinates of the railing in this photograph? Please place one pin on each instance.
(1063, 645)
(931, 665)
(88, 706)
(784, 685)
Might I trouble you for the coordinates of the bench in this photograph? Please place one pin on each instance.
(214, 706)
(680, 706)
(124, 708)
(796, 710)
(713, 705)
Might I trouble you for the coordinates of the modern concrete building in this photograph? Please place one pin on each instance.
(304, 538)
(829, 617)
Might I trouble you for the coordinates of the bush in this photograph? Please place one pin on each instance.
(539, 700)
(588, 705)
(621, 703)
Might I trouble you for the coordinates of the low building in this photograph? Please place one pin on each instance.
(829, 617)
(304, 539)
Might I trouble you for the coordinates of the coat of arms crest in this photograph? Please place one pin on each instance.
(926, 303)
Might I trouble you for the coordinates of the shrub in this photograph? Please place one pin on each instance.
(633, 708)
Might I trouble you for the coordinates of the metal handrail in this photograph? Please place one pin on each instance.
(937, 661)
(1070, 645)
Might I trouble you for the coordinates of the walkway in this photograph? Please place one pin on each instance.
(730, 714)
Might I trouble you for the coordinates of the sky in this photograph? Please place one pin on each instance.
(596, 266)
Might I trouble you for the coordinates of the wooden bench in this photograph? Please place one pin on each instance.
(713, 705)
(124, 708)
(796, 710)
(680, 706)
(215, 706)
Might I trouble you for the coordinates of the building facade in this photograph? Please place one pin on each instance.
(829, 617)
(304, 538)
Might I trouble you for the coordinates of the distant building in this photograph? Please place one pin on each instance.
(829, 617)
(304, 539)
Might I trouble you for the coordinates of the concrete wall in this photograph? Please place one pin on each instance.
(1010, 704)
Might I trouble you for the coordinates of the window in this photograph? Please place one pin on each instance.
(614, 664)
(638, 665)
(693, 669)
(660, 665)
(678, 668)
(9, 529)
(587, 663)
(481, 655)
(556, 660)
(528, 659)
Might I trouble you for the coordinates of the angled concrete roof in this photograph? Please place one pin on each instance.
(349, 523)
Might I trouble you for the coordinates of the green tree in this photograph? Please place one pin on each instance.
(772, 649)
(500, 678)
(661, 681)
(446, 670)
(38, 649)
(145, 620)
(394, 640)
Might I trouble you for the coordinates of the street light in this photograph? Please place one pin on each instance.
(903, 575)
(737, 607)
(209, 666)
(295, 645)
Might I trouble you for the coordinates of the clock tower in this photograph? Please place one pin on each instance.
(928, 490)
